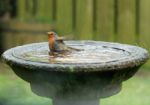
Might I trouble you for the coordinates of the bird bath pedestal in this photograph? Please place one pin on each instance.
(80, 78)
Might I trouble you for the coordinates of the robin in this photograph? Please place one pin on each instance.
(57, 45)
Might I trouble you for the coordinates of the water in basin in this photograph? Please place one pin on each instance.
(90, 53)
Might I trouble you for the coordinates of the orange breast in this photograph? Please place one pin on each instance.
(51, 43)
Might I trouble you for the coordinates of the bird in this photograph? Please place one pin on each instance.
(57, 46)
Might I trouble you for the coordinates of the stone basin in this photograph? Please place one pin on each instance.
(79, 78)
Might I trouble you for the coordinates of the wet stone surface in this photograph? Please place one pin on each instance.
(89, 54)
(94, 56)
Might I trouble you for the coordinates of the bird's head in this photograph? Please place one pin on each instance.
(52, 35)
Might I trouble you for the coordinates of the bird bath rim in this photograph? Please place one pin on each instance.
(137, 57)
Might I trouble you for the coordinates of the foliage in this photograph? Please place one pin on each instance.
(4, 6)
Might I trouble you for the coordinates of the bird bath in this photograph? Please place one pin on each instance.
(79, 78)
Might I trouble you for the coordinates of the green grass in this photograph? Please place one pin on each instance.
(135, 91)
(14, 91)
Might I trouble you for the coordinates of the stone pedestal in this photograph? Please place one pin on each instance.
(75, 102)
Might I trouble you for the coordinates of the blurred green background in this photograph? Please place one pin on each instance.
(27, 21)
